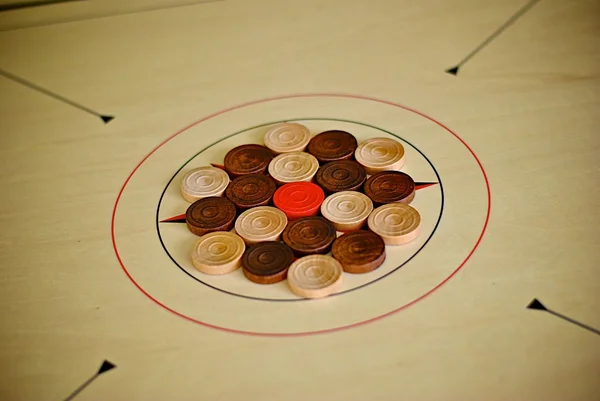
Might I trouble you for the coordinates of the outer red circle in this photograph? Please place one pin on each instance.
(295, 209)
(349, 326)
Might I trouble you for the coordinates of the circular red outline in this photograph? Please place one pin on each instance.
(250, 103)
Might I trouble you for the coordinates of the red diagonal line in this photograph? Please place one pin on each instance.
(421, 185)
(175, 219)
(218, 166)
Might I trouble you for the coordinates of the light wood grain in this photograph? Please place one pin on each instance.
(527, 104)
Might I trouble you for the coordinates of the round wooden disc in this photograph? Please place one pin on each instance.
(315, 276)
(263, 223)
(251, 190)
(203, 182)
(287, 137)
(390, 186)
(267, 262)
(380, 154)
(293, 167)
(247, 159)
(210, 214)
(343, 175)
(347, 210)
(359, 251)
(299, 199)
(396, 223)
(331, 146)
(218, 252)
(309, 235)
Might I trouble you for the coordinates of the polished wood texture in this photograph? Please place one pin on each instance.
(527, 104)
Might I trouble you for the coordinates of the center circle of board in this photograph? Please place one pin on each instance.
(312, 119)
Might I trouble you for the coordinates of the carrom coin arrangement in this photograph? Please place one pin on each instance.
(302, 208)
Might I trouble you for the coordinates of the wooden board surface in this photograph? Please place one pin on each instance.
(526, 105)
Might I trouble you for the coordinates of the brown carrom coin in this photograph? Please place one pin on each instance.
(250, 191)
(343, 175)
(210, 214)
(389, 187)
(309, 235)
(247, 159)
(332, 146)
(359, 251)
(267, 262)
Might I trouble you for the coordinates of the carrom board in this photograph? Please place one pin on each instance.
(106, 105)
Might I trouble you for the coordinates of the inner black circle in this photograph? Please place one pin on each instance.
(283, 121)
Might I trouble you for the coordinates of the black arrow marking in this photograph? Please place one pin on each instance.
(30, 4)
(33, 86)
(106, 366)
(511, 20)
(537, 305)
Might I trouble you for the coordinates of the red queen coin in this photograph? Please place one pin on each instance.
(299, 199)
